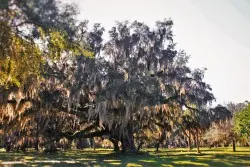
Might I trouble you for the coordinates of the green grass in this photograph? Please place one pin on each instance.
(220, 157)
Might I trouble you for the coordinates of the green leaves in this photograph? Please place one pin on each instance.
(57, 44)
(242, 122)
(19, 60)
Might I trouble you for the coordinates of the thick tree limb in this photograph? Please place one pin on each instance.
(83, 134)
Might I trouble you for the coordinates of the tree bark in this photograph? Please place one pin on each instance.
(115, 144)
(140, 145)
(128, 143)
(92, 143)
(50, 147)
(234, 147)
(189, 142)
(37, 138)
(197, 142)
(83, 134)
(157, 146)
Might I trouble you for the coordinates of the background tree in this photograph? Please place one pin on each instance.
(242, 123)
(220, 130)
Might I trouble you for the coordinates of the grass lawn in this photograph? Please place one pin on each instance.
(220, 157)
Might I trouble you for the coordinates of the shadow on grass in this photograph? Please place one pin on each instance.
(172, 158)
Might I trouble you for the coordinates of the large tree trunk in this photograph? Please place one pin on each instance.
(128, 144)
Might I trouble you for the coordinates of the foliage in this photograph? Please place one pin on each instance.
(242, 122)
(223, 126)
(34, 35)
(220, 133)
(60, 80)
(20, 59)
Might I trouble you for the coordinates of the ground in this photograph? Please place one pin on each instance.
(220, 157)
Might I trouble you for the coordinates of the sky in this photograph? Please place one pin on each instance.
(215, 33)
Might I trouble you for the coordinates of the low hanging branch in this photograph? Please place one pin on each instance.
(82, 134)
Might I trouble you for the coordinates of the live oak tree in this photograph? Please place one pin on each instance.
(138, 71)
(60, 80)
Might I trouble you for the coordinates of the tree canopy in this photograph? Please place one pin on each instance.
(61, 80)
